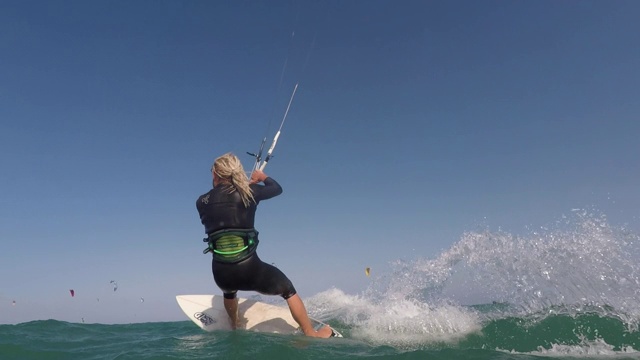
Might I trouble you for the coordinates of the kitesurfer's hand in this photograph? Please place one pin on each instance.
(258, 176)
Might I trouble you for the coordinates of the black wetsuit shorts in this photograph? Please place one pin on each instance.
(251, 274)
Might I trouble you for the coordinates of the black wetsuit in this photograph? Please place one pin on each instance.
(221, 210)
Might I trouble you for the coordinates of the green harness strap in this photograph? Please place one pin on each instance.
(231, 245)
(231, 239)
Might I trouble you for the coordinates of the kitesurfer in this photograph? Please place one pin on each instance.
(227, 212)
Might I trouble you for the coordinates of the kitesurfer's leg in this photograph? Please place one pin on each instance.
(299, 313)
(269, 280)
(231, 305)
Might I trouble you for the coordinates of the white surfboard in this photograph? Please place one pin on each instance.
(207, 311)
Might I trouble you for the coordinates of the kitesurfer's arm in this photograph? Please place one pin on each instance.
(258, 176)
(270, 189)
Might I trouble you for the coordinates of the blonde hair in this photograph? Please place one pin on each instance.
(229, 169)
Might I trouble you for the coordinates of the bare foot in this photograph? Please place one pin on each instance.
(234, 324)
(324, 332)
(240, 323)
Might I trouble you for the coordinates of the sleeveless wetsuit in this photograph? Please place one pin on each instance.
(220, 210)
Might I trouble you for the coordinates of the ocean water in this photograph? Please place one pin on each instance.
(571, 291)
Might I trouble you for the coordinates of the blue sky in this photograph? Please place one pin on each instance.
(414, 122)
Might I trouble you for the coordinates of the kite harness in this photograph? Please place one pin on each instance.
(231, 245)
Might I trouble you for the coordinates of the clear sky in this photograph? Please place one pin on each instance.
(414, 122)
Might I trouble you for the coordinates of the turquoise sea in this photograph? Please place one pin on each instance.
(587, 334)
(568, 292)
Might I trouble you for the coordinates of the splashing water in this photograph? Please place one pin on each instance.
(581, 266)
(585, 262)
(395, 322)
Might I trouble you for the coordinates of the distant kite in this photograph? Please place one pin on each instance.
(367, 271)
(13, 303)
(73, 293)
(115, 285)
(141, 300)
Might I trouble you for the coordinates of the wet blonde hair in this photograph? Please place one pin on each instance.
(229, 169)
